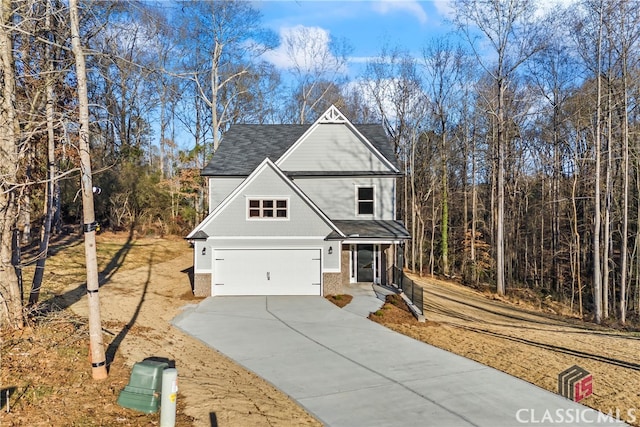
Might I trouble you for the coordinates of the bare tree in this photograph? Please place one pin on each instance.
(553, 77)
(590, 34)
(511, 33)
(51, 158)
(394, 87)
(10, 297)
(628, 14)
(98, 359)
(318, 63)
(443, 65)
(224, 36)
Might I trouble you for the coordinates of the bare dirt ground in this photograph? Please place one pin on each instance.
(45, 377)
(527, 341)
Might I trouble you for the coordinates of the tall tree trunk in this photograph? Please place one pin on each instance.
(625, 174)
(414, 225)
(597, 221)
(555, 195)
(98, 359)
(10, 295)
(474, 211)
(405, 214)
(215, 65)
(445, 207)
(51, 171)
(607, 206)
(163, 127)
(432, 250)
(577, 272)
(500, 265)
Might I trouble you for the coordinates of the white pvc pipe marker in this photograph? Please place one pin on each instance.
(168, 397)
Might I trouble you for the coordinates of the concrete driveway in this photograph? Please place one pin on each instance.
(349, 371)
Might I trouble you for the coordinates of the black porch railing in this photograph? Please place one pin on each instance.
(411, 289)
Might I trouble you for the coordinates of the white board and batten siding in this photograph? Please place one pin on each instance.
(267, 272)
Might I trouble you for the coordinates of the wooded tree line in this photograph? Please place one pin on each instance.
(518, 133)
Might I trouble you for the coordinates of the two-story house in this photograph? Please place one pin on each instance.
(298, 210)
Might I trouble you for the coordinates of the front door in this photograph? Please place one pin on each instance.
(365, 263)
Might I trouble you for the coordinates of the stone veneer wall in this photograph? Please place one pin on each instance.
(334, 283)
(202, 284)
(331, 283)
(344, 263)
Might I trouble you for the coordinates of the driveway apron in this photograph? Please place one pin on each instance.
(349, 371)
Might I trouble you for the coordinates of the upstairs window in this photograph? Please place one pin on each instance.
(268, 209)
(365, 200)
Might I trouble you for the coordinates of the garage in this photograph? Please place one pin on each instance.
(267, 272)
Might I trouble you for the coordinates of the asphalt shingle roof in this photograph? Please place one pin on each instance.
(370, 229)
(244, 147)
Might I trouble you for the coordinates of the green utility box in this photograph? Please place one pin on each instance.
(143, 391)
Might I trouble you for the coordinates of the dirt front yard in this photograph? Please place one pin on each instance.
(145, 283)
(45, 378)
(528, 342)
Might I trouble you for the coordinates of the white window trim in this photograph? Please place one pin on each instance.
(375, 191)
(274, 199)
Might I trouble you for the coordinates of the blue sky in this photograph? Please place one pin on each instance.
(366, 25)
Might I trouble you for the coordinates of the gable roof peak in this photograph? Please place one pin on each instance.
(332, 115)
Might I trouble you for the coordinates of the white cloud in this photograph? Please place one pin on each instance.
(384, 94)
(303, 48)
(362, 59)
(444, 8)
(413, 7)
(547, 6)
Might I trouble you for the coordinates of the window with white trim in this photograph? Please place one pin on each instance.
(365, 200)
(268, 209)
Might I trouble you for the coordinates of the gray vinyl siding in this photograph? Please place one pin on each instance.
(202, 262)
(220, 188)
(333, 147)
(330, 262)
(336, 197)
(232, 220)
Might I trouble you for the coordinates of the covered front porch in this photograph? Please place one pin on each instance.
(370, 248)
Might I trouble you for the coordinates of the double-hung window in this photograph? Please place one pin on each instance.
(268, 208)
(365, 201)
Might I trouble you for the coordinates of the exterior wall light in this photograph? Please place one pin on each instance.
(330, 250)
(204, 250)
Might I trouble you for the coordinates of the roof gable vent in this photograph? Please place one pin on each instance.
(332, 115)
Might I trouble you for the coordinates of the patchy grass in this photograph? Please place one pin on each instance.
(45, 380)
(66, 263)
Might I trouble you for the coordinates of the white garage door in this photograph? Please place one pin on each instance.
(267, 272)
